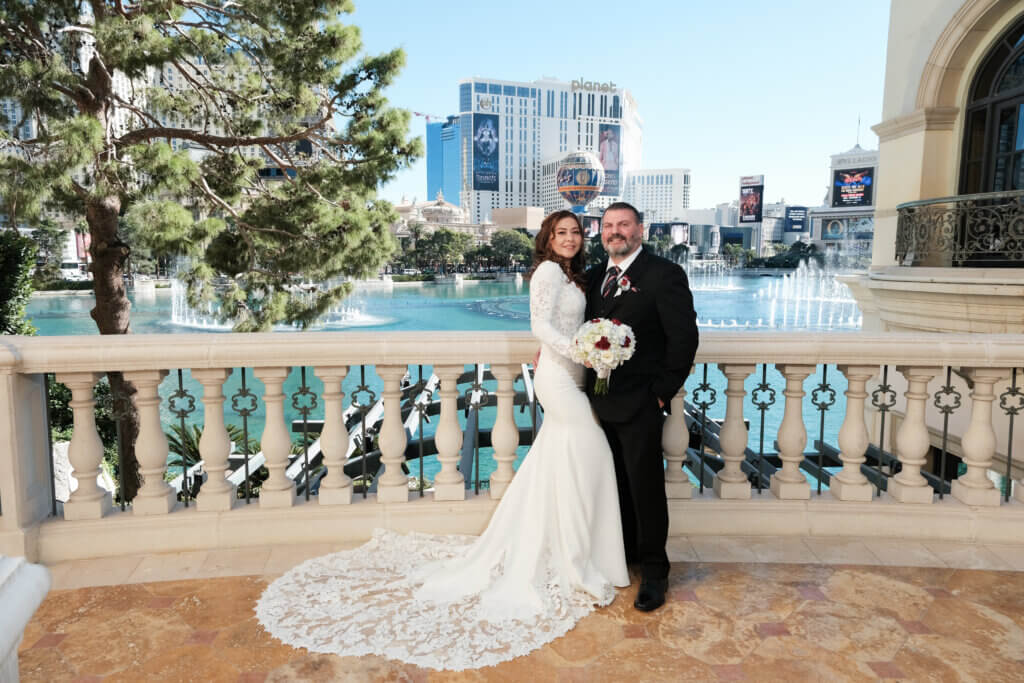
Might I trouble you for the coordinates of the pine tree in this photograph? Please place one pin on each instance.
(249, 137)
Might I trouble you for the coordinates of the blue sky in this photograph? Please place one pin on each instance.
(725, 88)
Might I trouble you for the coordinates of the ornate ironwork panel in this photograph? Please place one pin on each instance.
(978, 230)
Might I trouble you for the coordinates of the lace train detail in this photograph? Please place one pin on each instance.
(363, 601)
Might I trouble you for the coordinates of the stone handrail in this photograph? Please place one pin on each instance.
(89, 525)
(90, 353)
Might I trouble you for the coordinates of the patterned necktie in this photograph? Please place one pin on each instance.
(609, 280)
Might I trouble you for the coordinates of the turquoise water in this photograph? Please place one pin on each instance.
(722, 302)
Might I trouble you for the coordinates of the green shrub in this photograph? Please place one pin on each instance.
(17, 260)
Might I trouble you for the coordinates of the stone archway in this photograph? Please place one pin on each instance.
(965, 39)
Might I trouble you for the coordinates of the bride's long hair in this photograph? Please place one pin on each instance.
(542, 251)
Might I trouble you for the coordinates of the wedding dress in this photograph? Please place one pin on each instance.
(551, 552)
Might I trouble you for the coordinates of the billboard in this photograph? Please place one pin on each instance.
(796, 219)
(833, 229)
(609, 152)
(853, 186)
(751, 198)
(731, 236)
(485, 152)
(679, 232)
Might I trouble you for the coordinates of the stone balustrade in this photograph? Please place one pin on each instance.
(89, 525)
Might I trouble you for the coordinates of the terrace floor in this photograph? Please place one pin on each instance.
(785, 609)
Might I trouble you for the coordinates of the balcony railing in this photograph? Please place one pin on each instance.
(752, 454)
(976, 230)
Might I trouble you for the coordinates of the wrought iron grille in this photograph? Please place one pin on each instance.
(975, 230)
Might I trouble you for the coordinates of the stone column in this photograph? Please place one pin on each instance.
(336, 486)
(979, 441)
(449, 484)
(730, 481)
(789, 482)
(505, 435)
(88, 501)
(155, 497)
(217, 493)
(850, 483)
(912, 440)
(392, 485)
(674, 440)
(277, 491)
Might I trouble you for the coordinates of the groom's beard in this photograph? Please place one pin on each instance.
(623, 248)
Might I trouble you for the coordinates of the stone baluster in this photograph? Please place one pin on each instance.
(850, 483)
(88, 501)
(674, 441)
(730, 481)
(392, 485)
(277, 491)
(912, 439)
(217, 493)
(675, 438)
(155, 497)
(336, 486)
(789, 483)
(505, 435)
(979, 441)
(449, 483)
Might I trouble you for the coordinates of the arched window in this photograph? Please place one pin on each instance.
(993, 144)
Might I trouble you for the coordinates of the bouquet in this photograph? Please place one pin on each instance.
(605, 345)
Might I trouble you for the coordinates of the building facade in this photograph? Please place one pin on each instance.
(514, 133)
(846, 222)
(444, 159)
(661, 193)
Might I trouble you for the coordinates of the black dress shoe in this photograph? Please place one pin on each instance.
(651, 595)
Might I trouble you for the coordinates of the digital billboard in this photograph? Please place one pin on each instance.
(679, 232)
(833, 229)
(609, 152)
(796, 219)
(853, 186)
(485, 152)
(751, 198)
(731, 236)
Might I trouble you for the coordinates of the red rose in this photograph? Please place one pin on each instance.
(616, 321)
(596, 320)
(602, 343)
(626, 342)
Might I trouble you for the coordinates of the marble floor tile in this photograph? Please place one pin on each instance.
(282, 558)
(169, 567)
(723, 621)
(680, 549)
(841, 551)
(235, 562)
(723, 548)
(903, 553)
(104, 571)
(966, 555)
(782, 549)
(1013, 555)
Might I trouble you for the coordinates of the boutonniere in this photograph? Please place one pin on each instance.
(625, 285)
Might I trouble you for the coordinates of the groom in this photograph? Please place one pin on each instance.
(651, 295)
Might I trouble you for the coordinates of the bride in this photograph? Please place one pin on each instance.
(551, 552)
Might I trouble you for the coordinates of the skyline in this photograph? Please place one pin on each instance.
(774, 92)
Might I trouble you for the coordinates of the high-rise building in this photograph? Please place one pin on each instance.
(847, 218)
(514, 133)
(444, 160)
(660, 193)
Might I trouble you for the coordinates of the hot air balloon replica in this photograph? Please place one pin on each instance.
(580, 178)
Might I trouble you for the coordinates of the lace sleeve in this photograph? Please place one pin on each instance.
(545, 285)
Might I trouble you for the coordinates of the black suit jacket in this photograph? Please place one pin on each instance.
(661, 314)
